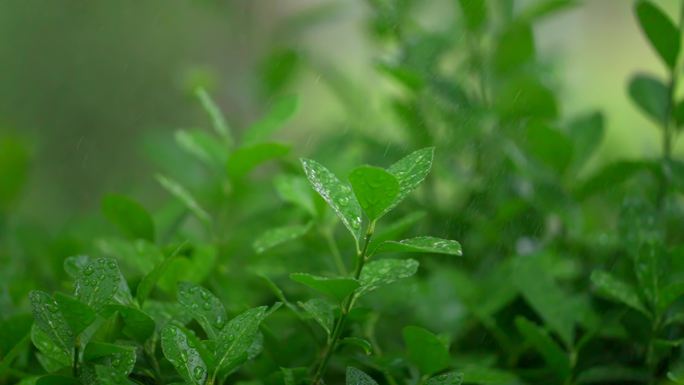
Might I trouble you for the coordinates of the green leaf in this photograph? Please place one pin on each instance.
(10, 355)
(51, 356)
(678, 113)
(651, 96)
(395, 229)
(450, 378)
(203, 146)
(279, 114)
(669, 294)
(384, 272)
(183, 195)
(553, 355)
(488, 376)
(525, 97)
(98, 283)
(141, 255)
(56, 380)
(357, 377)
(218, 121)
(279, 235)
(129, 216)
(77, 314)
(550, 146)
(425, 350)
(50, 320)
(613, 374)
(424, 244)
(150, 280)
(660, 31)
(204, 307)
(119, 358)
(375, 190)
(339, 196)
(541, 292)
(338, 287)
(359, 343)
(321, 312)
(410, 171)
(136, 323)
(514, 47)
(180, 350)
(586, 133)
(609, 176)
(296, 190)
(618, 290)
(474, 12)
(245, 159)
(238, 336)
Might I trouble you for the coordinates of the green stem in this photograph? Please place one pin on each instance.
(347, 305)
(75, 369)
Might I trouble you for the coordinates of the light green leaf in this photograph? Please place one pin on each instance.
(395, 229)
(296, 190)
(204, 307)
(150, 280)
(660, 31)
(218, 121)
(141, 255)
(541, 292)
(183, 195)
(586, 133)
(651, 96)
(50, 320)
(410, 171)
(375, 190)
(77, 314)
(52, 356)
(338, 287)
(237, 338)
(618, 290)
(321, 312)
(203, 146)
(450, 378)
(246, 158)
(423, 244)
(98, 283)
(357, 377)
(279, 235)
(549, 146)
(339, 196)
(129, 216)
(384, 272)
(181, 351)
(515, 47)
(425, 350)
(279, 114)
(553, 355)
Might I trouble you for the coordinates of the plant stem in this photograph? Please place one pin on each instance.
(361, 258)
(76, 353)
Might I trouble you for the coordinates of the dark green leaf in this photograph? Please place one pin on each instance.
(136, 324)
(50, 320)
(514, 48)
(586, 133)
(541, 341)
(550, 146)
(129, 216)
(474, 12)
(357, 377)
(359, 343)
(660, 31)
(338, 287)
(651, 96)
(77, 314)
(618, 290)
(238, 336)
(425, 350)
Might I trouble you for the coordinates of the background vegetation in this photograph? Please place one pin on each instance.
(164, 139)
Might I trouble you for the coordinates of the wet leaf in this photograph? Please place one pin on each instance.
(52, 323)
(98, 283)
(411, 171)
(279, 235)
(77, 314)
(357, 377)
(184, 356)
(424, 244)
(375, 190)
(321, 312)
(204, 307)
(383, 272)
(450, 378)
(339, 196)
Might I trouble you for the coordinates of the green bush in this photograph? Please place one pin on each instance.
(259, 266)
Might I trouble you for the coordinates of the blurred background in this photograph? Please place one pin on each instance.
(96, 89)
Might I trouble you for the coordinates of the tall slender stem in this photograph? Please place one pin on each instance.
(347, 304)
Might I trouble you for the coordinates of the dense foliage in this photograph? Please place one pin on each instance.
(261, 266)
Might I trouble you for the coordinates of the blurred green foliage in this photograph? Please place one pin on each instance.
(228, 257)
